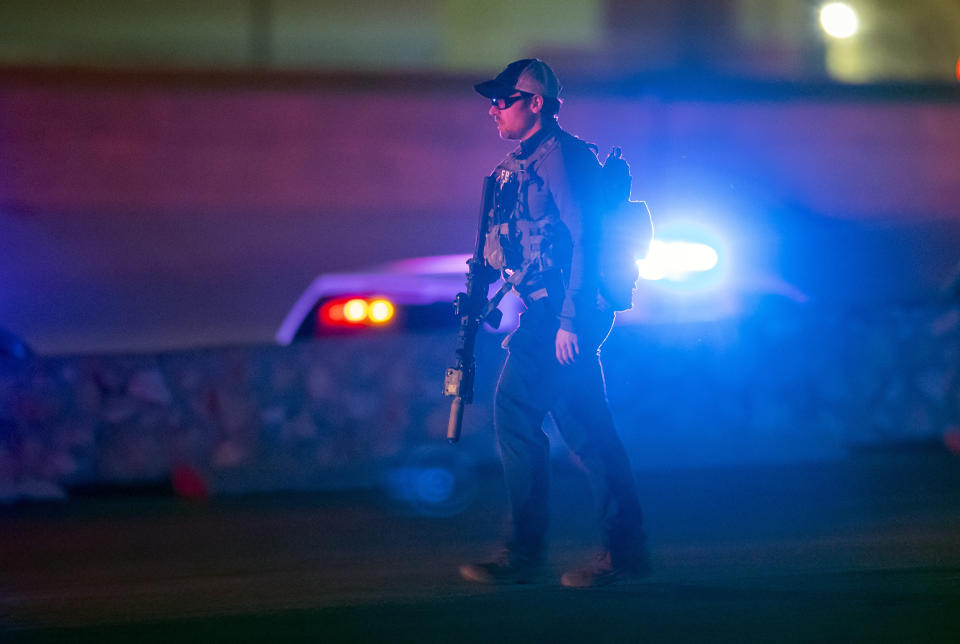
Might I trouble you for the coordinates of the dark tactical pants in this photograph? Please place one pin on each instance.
(532, 384)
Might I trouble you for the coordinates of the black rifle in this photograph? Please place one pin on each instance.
(473, 308)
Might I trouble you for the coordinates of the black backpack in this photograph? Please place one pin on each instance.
(626, 234)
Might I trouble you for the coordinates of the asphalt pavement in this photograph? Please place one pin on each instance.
(866, 548)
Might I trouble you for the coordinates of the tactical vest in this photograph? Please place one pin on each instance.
(516, 240)
(526, 249)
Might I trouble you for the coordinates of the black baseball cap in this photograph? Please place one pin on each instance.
(530, 75)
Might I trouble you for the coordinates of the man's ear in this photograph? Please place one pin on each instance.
(536, 103)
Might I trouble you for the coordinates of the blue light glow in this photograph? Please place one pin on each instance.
(676, 260)
(435, 484)
(686, 255)
(432, 481)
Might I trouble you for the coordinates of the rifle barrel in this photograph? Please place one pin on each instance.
(456, 419)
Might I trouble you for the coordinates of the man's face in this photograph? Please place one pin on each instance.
(514, 115)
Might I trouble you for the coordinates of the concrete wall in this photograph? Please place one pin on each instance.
(113, 144)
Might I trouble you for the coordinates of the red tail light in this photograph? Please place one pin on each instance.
(357, 312)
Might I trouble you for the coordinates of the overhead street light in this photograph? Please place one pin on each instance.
(839, 20)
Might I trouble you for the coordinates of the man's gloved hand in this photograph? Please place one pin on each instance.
(567, 347)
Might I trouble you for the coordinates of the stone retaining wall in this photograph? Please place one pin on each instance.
(798, 384)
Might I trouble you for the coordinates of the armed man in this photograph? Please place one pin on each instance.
(544, 237)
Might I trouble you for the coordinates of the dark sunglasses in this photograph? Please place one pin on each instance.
(504, 103)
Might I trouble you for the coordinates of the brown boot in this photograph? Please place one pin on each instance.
(507, 568)
(606, 569)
